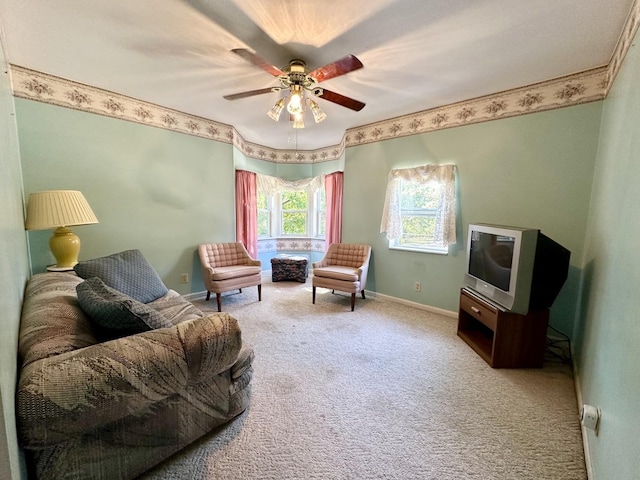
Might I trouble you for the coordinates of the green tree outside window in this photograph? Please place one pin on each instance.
(294, 213)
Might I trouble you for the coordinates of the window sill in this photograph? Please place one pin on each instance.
(290, 237)
(433, 251)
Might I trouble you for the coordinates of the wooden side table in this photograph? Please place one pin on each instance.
(54, 268)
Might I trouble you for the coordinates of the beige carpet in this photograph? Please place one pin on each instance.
(385, 392)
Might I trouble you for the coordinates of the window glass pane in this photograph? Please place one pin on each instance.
(417, 229)
(262, 201)
(322, 200)
(418, 205)
(418, 195)
(263, 223)
(294, 213)
(294, 200)
(321, 212)
(264, 216)
(294, 223)
(322, 223)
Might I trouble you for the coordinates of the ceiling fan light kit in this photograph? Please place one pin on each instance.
(298, 121)
(297, 80)
(294, 107)
(318, 115)
(276, 110)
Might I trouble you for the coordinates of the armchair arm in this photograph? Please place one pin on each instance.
(209, 270)
(320, 264)
(363, 272)
(66, 395)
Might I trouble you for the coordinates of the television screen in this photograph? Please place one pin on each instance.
(491, 258)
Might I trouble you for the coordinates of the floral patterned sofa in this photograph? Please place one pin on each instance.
(100, 402)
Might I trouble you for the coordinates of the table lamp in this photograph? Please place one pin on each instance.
(60, 209)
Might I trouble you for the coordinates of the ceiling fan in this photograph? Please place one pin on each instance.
(297, 79)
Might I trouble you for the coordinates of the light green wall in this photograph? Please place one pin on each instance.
(607, 350)
(532, 171)
(159, 191)
(14, 271)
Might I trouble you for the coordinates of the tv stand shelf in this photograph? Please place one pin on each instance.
(503, 339)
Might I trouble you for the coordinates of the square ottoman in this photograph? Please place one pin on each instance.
(289, 267)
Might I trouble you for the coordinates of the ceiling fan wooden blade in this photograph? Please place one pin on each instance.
(250, 93)
(342, 100)
(256, 60)
(340, 67)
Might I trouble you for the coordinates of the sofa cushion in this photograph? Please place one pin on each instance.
(234, 271)
(337, 272)
(128, 272)
(116, 311)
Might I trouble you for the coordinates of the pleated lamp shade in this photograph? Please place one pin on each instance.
(60, 209)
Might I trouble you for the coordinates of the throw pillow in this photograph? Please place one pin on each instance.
(116, 311)
(128, 272)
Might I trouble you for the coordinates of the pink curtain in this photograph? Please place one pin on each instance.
(247, 211)
(333, 190)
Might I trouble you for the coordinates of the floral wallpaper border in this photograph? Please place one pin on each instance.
(266, 245)
(46, 88)
(42, 87)
(583, 87)
(580, 88)
(566, 91)
(624, 43)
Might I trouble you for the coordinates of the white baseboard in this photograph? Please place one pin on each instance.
(585, 436)
(377, 296)
(409, 303)
(195, 295)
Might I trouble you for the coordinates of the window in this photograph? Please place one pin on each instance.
(419, 211)
(293, 208)
(264, 215)
(321, 212)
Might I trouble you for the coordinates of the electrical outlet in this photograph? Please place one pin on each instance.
(184, 278)
(590, 417)
(417, 286)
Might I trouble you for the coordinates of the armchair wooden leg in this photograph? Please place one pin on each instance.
(362, 291)
(260, 292)
(208, 295)
(353, 301)
(313, 298)
(219, 302)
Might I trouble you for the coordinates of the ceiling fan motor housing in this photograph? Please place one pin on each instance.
(296, 66)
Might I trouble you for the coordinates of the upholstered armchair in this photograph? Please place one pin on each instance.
(228, 266)
(344, 267)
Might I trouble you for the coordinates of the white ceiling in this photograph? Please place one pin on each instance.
(417, 54)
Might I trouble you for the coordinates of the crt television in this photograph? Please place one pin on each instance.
(519, 269)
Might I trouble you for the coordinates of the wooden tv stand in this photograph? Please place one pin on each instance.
(503, 339)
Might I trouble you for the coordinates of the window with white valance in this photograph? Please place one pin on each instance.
(290, 208)
(420, 208)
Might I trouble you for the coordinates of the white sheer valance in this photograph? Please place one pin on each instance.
(445, 233)
(271, 185)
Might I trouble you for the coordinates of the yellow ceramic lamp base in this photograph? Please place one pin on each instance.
(65, 246)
